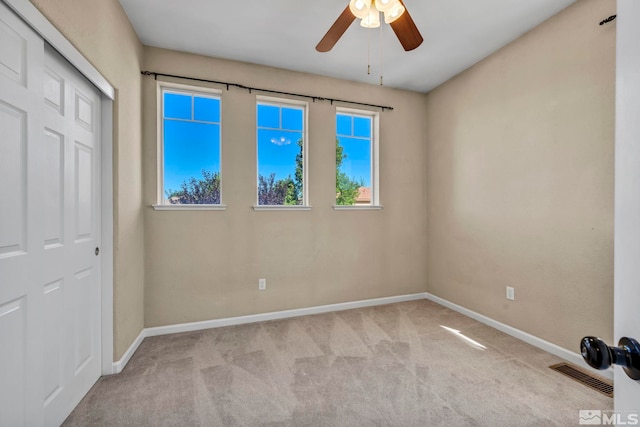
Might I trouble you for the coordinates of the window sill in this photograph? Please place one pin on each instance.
(357, 207)
(189, 207)
(281, 208)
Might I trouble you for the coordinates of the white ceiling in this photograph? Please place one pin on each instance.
(284, 33)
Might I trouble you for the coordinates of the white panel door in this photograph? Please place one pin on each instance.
(49, 230)
(21, 223)
(71, 267)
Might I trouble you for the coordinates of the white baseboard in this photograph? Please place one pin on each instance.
(262, 317)
(547, 346)
(120, 364)
(275, 315)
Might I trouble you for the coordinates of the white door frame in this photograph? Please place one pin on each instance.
(627, 201)
(32, 16)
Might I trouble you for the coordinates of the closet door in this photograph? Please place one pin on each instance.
(49, 230)
(21, 222)
(71, 264)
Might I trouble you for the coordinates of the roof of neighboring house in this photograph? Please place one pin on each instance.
(364, 195)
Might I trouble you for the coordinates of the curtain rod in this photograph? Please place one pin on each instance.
(277, 92)
(607, 20)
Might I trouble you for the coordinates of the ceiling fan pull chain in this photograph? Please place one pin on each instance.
(380, 55)
(368, 52)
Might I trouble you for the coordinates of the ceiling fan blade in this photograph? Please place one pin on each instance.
(406, 31)
(336, 31)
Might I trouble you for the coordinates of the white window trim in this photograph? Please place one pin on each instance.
(375, 159)
(281, 208)
(260, 99)
(358, 207)
(193, 207)
(160, 206)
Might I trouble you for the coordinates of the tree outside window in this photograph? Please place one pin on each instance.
(280, 142)
(190, 147)
(354, 159)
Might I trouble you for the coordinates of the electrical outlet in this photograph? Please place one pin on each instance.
(511, 293)
(262, 284)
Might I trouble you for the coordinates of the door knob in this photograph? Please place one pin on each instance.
(600, 356)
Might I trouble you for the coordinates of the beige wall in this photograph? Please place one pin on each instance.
(520, 180)
(101, 31)
(206, 265)
(517, 188)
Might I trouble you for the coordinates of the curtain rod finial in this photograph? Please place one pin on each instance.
(609, 19)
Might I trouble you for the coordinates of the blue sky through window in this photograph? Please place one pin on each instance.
(279, 130)
(354, 134)
(191, 129)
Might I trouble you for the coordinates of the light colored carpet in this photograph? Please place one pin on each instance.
(391, 365)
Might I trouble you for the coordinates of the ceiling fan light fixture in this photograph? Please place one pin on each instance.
(385, 5)
(360, 8)
(394, 13)
(372, 20)
(369, 12)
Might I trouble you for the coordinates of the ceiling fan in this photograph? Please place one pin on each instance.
(395, 14)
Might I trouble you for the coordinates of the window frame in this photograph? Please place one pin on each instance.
(161, 89)
(285, 102)
(375, 156)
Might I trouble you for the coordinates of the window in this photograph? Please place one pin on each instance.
(190, 146)
(281, 146)
(356, 158)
